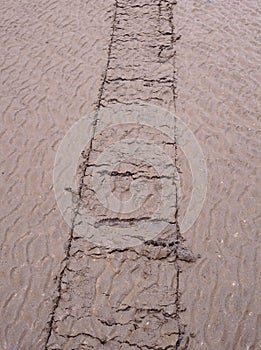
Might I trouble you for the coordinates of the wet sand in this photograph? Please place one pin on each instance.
(218, 97)
(62, 61)
(53, 56)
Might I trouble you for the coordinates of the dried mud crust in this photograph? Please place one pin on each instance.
(126, 298)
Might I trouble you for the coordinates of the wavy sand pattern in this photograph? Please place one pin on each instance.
(53, 55)
(217, 65)
(61, 60)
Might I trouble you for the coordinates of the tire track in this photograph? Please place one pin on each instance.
(133, 300)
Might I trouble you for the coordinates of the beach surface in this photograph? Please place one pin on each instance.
(197, 60)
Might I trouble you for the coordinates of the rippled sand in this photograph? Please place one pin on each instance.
(61, 61)
(218, 97)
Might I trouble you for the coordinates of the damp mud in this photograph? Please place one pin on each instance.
(198, 289)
